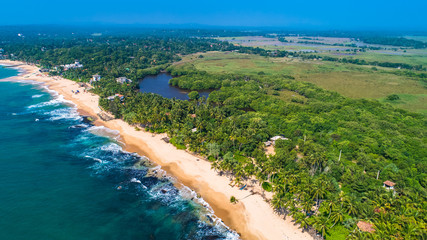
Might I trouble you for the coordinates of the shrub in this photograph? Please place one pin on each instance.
(267, 186)
(193, 95)
(393, 97)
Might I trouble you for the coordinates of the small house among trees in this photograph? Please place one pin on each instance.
(76, 64)
(116, 95)
(389, 185)
(273, 140)
(95, 78)
(122, 80)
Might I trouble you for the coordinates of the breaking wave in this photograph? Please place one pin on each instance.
(136, 175)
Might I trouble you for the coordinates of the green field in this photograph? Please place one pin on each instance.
(348, 79)
(411, 102)
(411, 56)
(392, 54)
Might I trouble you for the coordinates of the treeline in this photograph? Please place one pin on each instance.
(394, 41)
(187, 77)
(364, 62)
(392, 38)
(282, 39)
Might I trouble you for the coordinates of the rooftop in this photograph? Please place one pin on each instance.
(389, 183)
(275, 138)
(365, 226)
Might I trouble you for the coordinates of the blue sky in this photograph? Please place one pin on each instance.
(312, 14)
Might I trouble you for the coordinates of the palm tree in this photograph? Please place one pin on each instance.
(278, 201)
(349, 206)
(319, 190)
(216, 166)
(381, 231)
(320, 226)
(302, 219)
(330, 205)
(337, 217)
(307, 204)
(410, 231)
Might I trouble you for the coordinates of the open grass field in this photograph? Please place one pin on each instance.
(408, 56)
(349, 80)
(392, 54)
(275, 44)
(411, 102)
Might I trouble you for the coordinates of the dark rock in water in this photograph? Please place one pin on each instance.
(209, 218)
(78, 126)
(163, 191)
(87, 119)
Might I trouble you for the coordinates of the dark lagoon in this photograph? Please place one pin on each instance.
(159, 84)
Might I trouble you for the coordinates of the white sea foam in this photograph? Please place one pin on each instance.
(113, 147)
(54, 102)
(81, 125)
(104, 132)
(188, 193)
(165, 191)
(37, 95)
(50, 91)
(134, 180)
(95, 159)
(63, 113)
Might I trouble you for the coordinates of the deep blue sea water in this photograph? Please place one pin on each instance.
(61, 178)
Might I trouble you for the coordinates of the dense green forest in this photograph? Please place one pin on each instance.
(394, 41)
(329, 174)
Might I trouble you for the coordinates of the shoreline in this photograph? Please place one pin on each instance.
(252, 217)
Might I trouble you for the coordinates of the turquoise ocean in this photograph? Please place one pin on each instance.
(62, 178)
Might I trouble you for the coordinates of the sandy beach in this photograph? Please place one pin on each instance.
(252, 216)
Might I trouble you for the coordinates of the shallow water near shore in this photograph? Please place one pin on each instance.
(64, 179)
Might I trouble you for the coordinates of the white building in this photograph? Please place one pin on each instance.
(76, 64)
(123, 80)
(273, 140)
(95, 78)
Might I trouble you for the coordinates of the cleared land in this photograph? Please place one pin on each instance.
(348, 79)
(325, 46)
(408, 56)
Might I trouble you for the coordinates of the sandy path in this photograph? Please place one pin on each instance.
(252, 216)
